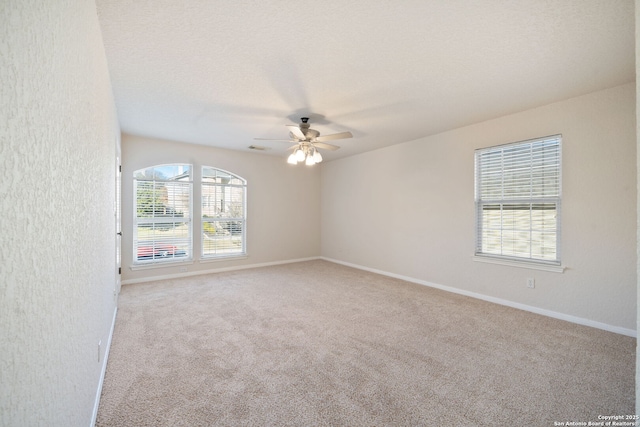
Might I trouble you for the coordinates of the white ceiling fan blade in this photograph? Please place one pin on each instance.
(293, 146)
(324, 146)
(341, 135)
(295, 131)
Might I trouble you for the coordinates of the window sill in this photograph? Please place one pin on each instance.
(152, 265)
(223, 258)
(520, 264)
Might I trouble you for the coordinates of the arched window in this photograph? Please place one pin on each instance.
(223, 213)
(162, 214)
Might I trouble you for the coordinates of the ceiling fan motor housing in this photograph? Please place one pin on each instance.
(308, 133)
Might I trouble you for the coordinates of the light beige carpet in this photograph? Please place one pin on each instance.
(319, 344)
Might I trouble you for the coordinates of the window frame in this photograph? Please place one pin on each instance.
(161, 256)
(229, 232)
(547, 186)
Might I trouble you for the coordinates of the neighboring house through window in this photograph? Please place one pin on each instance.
(163, 205)
(518, 201)
(223, 213)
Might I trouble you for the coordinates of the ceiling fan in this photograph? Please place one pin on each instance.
(307, 142)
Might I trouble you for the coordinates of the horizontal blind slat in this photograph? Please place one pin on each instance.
(162, 223)
(223, 213)
(517, 199)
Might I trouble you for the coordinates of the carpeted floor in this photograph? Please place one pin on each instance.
(320, 344)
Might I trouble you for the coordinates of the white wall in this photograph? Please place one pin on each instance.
(57, 194)
(409, 209)
(283, 204)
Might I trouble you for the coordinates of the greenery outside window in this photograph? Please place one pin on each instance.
(163, 206)
(518, 201)
(223, 214)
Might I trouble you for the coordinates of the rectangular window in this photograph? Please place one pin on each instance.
(223, 213)
(517, 197)
(162, 223)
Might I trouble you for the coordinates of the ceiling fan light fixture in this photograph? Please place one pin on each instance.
(307, 141)
(317, 157)
(310, 161)
(292, 159)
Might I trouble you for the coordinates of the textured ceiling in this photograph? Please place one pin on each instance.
(222, 72)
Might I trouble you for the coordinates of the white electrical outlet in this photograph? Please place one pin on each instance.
(531, 282)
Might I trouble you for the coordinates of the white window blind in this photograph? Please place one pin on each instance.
(223, 213)
(162, 223)
(517, 196)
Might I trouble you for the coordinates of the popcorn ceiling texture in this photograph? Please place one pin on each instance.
(58, 142)
(223, 72)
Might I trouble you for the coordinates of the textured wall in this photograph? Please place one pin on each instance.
(57, 193)
(283, 203)
(411, 209)
(637, 11)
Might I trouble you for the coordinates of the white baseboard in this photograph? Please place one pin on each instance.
(214, 270)
(541, 311)
(103, 370)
